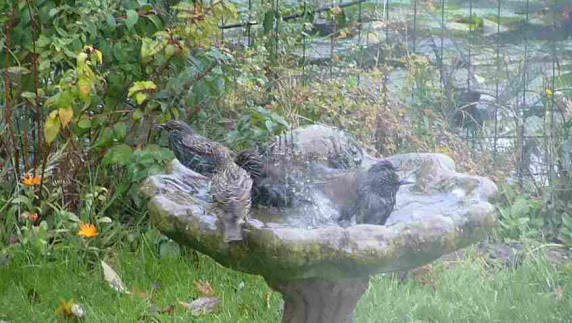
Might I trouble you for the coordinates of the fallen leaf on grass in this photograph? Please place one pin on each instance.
(139, 293)
(559, 291)
(113, 279)
(169, 309)
(205, 288)
(70, 309)
(201, 305)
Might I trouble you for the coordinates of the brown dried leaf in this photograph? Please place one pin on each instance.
(559, 293)
(205, 288)
(169, 309)
(139, 293)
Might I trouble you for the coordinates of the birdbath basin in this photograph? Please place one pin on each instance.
(322, 269)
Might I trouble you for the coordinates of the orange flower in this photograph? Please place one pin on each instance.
(87, 230)
(31, 180)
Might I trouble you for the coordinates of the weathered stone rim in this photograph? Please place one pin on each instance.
(328, 252)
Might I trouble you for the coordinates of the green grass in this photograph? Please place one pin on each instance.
(473, 290)
(67, 276)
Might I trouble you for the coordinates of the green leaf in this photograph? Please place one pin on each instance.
(84, 123)
(119, 155)
(137, 114)
(170, 50)
(131, 20)
(269, 21)
(149, 48)
(156, 21)
(141, 86)
(111, 21)
(43, 40)
(105, 139)
(120, 130)
(52, 127)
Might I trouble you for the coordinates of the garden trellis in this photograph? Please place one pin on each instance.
(503, 66)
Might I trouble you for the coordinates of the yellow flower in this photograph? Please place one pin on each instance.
(87, 230)
(549, 92)
(31, 180)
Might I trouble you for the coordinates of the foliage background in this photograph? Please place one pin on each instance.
(85, 81)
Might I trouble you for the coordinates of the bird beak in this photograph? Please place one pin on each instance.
(405, 182)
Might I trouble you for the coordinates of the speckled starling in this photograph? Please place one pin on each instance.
(180, 136)
(230, 186)
(268, 189)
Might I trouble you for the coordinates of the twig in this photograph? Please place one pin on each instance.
(38, 114)
(201, 76)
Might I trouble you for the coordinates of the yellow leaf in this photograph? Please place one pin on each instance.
(66, 114)
(84, 86)
(52, 127)
(140, 97)
(140, 86)
(81, 59)
(96, 56)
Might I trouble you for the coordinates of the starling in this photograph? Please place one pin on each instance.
(252, 162)
(180, 136)
(231, 185)
(267, 190)
(377, 189)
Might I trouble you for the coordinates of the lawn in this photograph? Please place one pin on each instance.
(475, 289)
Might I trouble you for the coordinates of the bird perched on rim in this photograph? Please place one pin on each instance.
(180, 137)
(374, 194)
(230, 185)
(377, 189)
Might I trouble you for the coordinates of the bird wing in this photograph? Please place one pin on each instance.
(198, 143)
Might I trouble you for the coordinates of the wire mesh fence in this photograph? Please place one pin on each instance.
(500, 68)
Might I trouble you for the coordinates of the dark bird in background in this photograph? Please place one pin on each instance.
(252, 162)
(231, 185)
(374, 196)
(377, 189)
(265, 189)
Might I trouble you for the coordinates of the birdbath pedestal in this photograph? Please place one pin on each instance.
(322, 270)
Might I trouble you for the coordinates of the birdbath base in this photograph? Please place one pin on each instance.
(319, 301)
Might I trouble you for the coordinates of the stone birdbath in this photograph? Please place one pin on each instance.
(321, 268)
